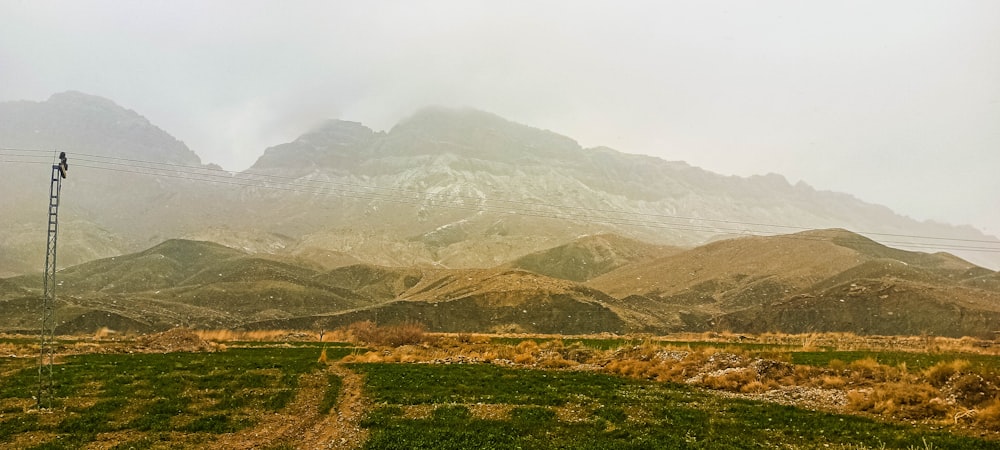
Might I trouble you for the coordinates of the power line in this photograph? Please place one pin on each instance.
(453, 200)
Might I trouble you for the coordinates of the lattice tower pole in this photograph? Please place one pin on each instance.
(46, 340)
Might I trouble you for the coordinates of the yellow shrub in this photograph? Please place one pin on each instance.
(556, 362)
(989, 417)
(524, 358)
(938, 374)
(832, 382)
(757, 387)
(899, 400)
(733, 380)
(858, 400)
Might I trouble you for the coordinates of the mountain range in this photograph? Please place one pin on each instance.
(451, 188)
(458, 208)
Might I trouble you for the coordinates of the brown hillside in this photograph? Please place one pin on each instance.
(9, 290)
(590, 256)
(705, 274)
(375, 282)
(163, 266)
(989, 282)
(828, 280)
(884, 306)
(779, 283)
(793, 261)
(478, 300)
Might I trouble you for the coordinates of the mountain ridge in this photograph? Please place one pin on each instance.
(445, 187)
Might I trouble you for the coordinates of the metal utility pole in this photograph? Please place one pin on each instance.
(46, 341)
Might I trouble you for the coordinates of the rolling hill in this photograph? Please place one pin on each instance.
(803, 282)
(825, 280)
(590, 256)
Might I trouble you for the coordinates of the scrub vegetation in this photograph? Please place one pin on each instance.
(371, 386)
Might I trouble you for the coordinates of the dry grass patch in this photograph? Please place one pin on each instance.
(832, 382)
(899, 401)
(406, 333)
(989, 417)
(868, 370)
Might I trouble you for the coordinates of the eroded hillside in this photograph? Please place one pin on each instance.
(828, 280)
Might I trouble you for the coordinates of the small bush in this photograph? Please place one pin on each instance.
(630, 368)
(868, 370)
(577, 352)
(858, 400)
(555, 361)
(408, 333)
(899, 400)
(756, 387)
(971, 389)
(527, 347)
(524, 358)
(832, 382)
(363, 332)
(938, 374)
(989, 417)
(526, 351)
(732, 380)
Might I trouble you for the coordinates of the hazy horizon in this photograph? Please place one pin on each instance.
(896, 103)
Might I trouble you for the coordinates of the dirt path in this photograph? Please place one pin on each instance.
(340, 429)
(302, 425)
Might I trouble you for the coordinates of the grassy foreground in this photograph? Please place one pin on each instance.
(459, 392)
(484, 406)
(151, 400)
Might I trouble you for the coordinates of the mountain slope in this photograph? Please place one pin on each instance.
(590, 256)
(445, 187)
(802, 282)
(465, 182)
(111, 204)
(202, 284)
(458, 300)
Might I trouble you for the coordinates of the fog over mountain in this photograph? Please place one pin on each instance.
(446, 187)
(893, 103)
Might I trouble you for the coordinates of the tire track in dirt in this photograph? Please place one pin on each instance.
(285, 426)
(341, 428)
(302, 425)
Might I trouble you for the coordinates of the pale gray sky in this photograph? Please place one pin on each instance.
(895, 102)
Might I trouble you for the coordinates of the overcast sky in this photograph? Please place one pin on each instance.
(895, 102)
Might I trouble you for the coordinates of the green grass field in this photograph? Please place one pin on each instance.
(565, 409)
(186, 396)
(192, 400)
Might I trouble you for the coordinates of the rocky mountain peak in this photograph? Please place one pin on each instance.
(475, 134)
(89, 124)
(334, 144)
(338, 133)
(86, 102)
